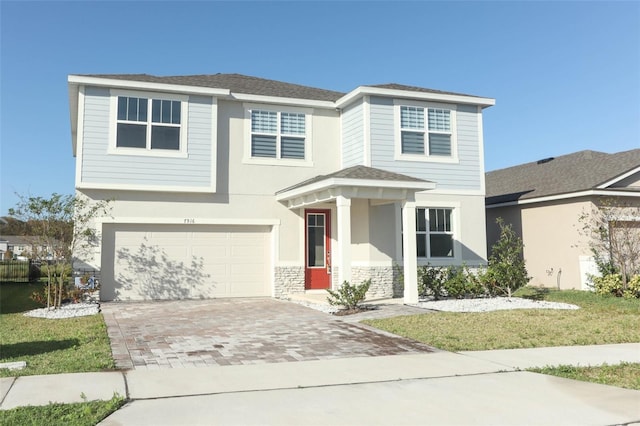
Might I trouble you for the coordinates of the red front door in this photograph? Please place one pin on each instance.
(317, 271)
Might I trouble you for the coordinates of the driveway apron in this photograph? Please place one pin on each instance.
(199, 333)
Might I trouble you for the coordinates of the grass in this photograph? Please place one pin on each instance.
(625, 375)
(601, 320)
(49, 346)
(78, 414)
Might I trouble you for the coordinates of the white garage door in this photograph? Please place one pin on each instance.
(185, 261)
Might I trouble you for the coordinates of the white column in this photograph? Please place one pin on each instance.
(410, 255)
(344, 238)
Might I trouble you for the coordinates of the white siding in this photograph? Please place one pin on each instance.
(464, 175)
(101, 167)
(353, 135)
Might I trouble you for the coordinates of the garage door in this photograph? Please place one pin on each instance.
(143, 262)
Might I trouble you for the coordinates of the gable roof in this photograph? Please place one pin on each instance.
(236, 83)
(580, 171)
(358, 173)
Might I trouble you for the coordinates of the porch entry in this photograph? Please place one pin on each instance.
(317, 272)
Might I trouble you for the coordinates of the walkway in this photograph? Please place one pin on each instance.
(437, 388)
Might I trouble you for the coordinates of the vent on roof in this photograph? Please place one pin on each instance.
(545, 160)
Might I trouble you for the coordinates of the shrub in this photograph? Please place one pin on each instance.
(612, 284)
(456, 282)
(506, 271)
(431, 281)
(349, 296)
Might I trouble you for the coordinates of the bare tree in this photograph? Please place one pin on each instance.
(61, 229)
(613, 231)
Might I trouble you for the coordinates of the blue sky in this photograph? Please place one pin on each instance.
(565, 75)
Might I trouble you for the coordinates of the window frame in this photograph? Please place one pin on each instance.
(147, 151)
(278, 160)
(427, 233)
(425, 156)
(455, 233)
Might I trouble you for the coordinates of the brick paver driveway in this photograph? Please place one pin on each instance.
(149, 335)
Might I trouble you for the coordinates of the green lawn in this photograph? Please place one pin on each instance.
(49, 346)
(625, 375)
(601, 320)
(79, 414)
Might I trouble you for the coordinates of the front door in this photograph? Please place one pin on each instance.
(317, 272)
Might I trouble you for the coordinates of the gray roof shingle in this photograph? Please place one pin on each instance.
(395, 86)
(237, 83)
(575, 172)
(358, 172)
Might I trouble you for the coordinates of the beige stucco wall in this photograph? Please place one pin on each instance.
(552, 240)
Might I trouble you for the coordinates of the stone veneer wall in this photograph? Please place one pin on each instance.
(288, 280)
(383, 280)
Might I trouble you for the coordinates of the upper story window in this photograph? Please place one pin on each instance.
(137, 128)
(432, 139)
(426, 132)
(278, 136)
(151, 124)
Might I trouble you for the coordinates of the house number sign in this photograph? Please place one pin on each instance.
(189, 221)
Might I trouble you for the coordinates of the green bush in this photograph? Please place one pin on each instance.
(349, 296)
(506, 271)
(612, 284)
(452, 281)
(431, 281)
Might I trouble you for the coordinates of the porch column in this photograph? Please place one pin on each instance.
(410, 257)
(344, 239)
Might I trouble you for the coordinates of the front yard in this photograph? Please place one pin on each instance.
(601, 320)
(49, 346)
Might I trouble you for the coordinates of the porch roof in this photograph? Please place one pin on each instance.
(353, 182)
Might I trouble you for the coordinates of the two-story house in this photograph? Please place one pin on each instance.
(233, 186)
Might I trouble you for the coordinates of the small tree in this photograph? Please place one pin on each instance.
(60, 228)
(506, 271)
(613, 232)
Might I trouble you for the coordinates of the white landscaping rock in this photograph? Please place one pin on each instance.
(70, 310)
(491, 304)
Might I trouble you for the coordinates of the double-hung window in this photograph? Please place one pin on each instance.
(434, 233)
(147, 123)
(277, 134)
(426, 131)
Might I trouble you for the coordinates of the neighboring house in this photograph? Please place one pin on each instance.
(21, 246)
(4, 248)
(234, 186)
(544, 200)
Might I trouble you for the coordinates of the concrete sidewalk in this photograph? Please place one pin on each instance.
(472, 388)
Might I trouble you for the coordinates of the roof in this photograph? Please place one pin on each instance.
(580, 171)
(395, 86)
(236, 83)
(358, 173)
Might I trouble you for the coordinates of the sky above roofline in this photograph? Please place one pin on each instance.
(565, 75)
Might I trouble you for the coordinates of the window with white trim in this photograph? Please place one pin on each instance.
(425, 131)
(151, 124)
(434, 233)
(277, 134)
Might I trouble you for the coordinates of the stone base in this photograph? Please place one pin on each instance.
(288, 280)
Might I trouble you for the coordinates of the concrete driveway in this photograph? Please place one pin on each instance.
(201, 333)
